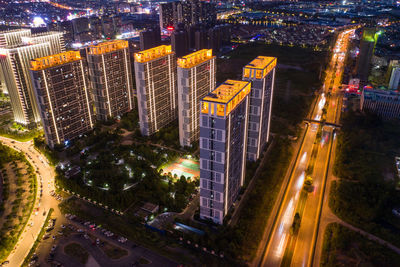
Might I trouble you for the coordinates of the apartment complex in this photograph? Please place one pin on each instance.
(155, 73)
(261, 73)
(17, 49)
(63, 96)
(196, 78)
(111, 78)
(223, 141)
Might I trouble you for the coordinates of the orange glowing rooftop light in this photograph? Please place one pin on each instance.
(107, 47)
(55, 60)
(153, 53)
(225, 97)
(195, 58)
(259, 67)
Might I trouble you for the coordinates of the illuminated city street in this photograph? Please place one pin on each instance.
(299, 252)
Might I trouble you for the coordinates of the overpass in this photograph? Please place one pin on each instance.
(324, 123)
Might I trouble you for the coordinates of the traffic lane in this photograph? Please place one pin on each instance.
(308, 220)
(277, 244)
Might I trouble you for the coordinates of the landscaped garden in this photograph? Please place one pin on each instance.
(18, 197)
(122, 176)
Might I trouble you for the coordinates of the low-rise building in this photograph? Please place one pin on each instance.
(384, 103)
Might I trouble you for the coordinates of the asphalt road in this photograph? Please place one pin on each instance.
(276, 246)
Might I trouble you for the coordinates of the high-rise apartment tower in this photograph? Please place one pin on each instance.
(196, 78)
(111, 79)
(63, 96)
(223, 141)
(18, 49)
(155, 72)
(261, 73)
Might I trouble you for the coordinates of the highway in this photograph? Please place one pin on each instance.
(45, 177)
(300, 251)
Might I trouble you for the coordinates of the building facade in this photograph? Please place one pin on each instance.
(196, 78)
(150, 38)
(385, 104)
(63, 97)
(110, 77)
(223, 141)
(17, 50)
(261, 73)
(367, 48)
(55, 40)
(395, 78)
(156, 89)
(13, 37)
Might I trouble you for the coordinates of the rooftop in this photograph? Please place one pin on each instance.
(107, 47)
(227, 96)
(262, 65)
(195, 58)
(54, 60)
(153, 53)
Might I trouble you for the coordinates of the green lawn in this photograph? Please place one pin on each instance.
(344, 247)
(366, 195)
(77, 252)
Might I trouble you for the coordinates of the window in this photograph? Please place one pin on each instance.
(204, 183)
(203, 164)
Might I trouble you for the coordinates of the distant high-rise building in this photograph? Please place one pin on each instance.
(15, 57)
(55, 39)
(111, 78)
(166, 15)
(223, 142)
(367, 47)
(201, 39)
(80, 25)
(207, 13)
(261, 73)
(180, 43)
(155, 73)
(395, 78)
(196, 78)
(63, 96)
(188, 13)
(150, 38)
(13, 37)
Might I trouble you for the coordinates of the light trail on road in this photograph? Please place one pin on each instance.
(275, 248)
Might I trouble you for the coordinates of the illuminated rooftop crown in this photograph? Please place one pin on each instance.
(153, 53)
(107, 47)
(54, 60)
(195, 58)
(259, 67)
(226, 97)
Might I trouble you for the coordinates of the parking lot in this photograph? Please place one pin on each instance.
(104, 248)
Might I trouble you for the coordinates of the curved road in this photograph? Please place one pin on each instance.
(45, 180)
